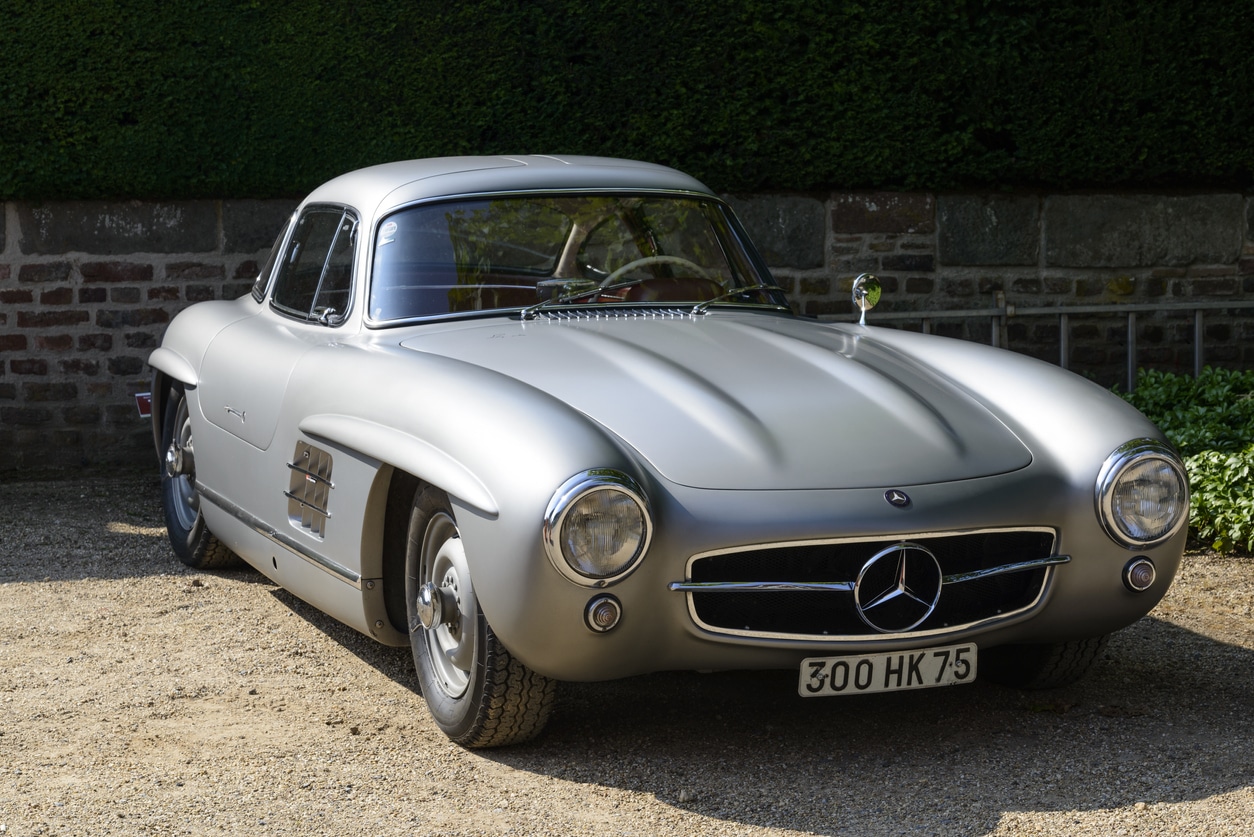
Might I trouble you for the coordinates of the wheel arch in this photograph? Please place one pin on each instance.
(396, 489)
(168, 368)
(407, 464)
(160, 389)
(401, 490)
(406, 453)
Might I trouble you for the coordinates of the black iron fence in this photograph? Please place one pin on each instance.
(1002, 314)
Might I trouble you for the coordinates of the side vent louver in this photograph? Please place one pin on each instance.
(309, 493)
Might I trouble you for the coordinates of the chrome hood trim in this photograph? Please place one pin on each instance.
(757, 402)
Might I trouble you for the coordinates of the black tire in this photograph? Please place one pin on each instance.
(1048, 666)
(478, 694)
(193, 543)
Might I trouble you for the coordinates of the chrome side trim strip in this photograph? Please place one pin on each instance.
(322, 562)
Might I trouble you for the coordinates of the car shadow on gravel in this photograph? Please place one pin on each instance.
(395, 664)
(1162, 718)
(1151, 724)
(56, 527)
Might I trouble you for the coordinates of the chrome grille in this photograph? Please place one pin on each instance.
(807, 589)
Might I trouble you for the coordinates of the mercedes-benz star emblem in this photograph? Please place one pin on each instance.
(898, 588)
(897, 497)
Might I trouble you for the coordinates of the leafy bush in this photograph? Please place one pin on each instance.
(1210, 420)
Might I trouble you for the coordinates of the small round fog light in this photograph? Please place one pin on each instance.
(603, 614)
(1139, 575)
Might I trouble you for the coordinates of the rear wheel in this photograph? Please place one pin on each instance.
(478, 694)
(1048, 666)
(193, 543)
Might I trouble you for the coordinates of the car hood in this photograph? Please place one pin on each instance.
(749, 401)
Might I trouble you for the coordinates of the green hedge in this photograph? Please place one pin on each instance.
(206, 98)
(1210, 420)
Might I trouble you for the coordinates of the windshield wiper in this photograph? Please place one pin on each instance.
(577, 288)
(704, 307)
(571, 289)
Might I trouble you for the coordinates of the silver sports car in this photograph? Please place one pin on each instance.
(549, 418)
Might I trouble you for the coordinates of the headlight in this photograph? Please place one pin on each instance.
(1142, 494)
(597, 527)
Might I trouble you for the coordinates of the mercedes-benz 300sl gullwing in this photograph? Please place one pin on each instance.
(550, 419)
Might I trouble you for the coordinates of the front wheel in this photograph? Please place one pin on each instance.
(1047, 666)
(193, 543)
(478, 694)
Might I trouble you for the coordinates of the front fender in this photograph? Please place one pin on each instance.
(174, 365)
(1063, 418)
(500, 448)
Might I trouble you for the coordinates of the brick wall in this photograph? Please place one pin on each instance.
(87, 288)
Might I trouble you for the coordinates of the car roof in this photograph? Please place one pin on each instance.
(378, 189)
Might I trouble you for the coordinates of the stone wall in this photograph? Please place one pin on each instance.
(970, 252)
(86, 289)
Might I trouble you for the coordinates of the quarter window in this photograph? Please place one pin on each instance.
(263, 278)
(315, 278)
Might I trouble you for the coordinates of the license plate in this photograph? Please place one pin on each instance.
(892, 672)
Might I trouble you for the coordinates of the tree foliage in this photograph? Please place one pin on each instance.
(206, 98)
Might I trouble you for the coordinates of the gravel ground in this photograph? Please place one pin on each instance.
(139, 697)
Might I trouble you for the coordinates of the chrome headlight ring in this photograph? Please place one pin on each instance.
(597, 527)
(1142, 494)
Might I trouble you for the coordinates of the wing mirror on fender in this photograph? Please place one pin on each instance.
(866, 294)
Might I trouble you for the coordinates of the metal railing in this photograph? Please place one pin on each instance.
(1001, 313)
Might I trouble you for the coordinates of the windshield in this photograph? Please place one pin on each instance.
(514, 252)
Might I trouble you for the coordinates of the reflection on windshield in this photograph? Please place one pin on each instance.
(516, 252)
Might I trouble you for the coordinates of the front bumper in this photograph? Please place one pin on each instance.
(1075, 590)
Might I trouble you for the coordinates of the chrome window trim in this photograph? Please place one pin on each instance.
(1049, 564)
(265, 277)
(309, 317)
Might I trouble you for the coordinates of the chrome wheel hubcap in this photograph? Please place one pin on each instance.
(180, 469)
(446, 606)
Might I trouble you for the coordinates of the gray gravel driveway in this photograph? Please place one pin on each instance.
(139, 697)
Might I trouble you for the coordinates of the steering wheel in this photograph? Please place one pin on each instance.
(696, 268)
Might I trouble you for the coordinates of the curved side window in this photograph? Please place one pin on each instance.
(314, 280)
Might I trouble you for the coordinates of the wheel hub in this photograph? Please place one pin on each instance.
(436, 606)
(445, 606)
(179, 461)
